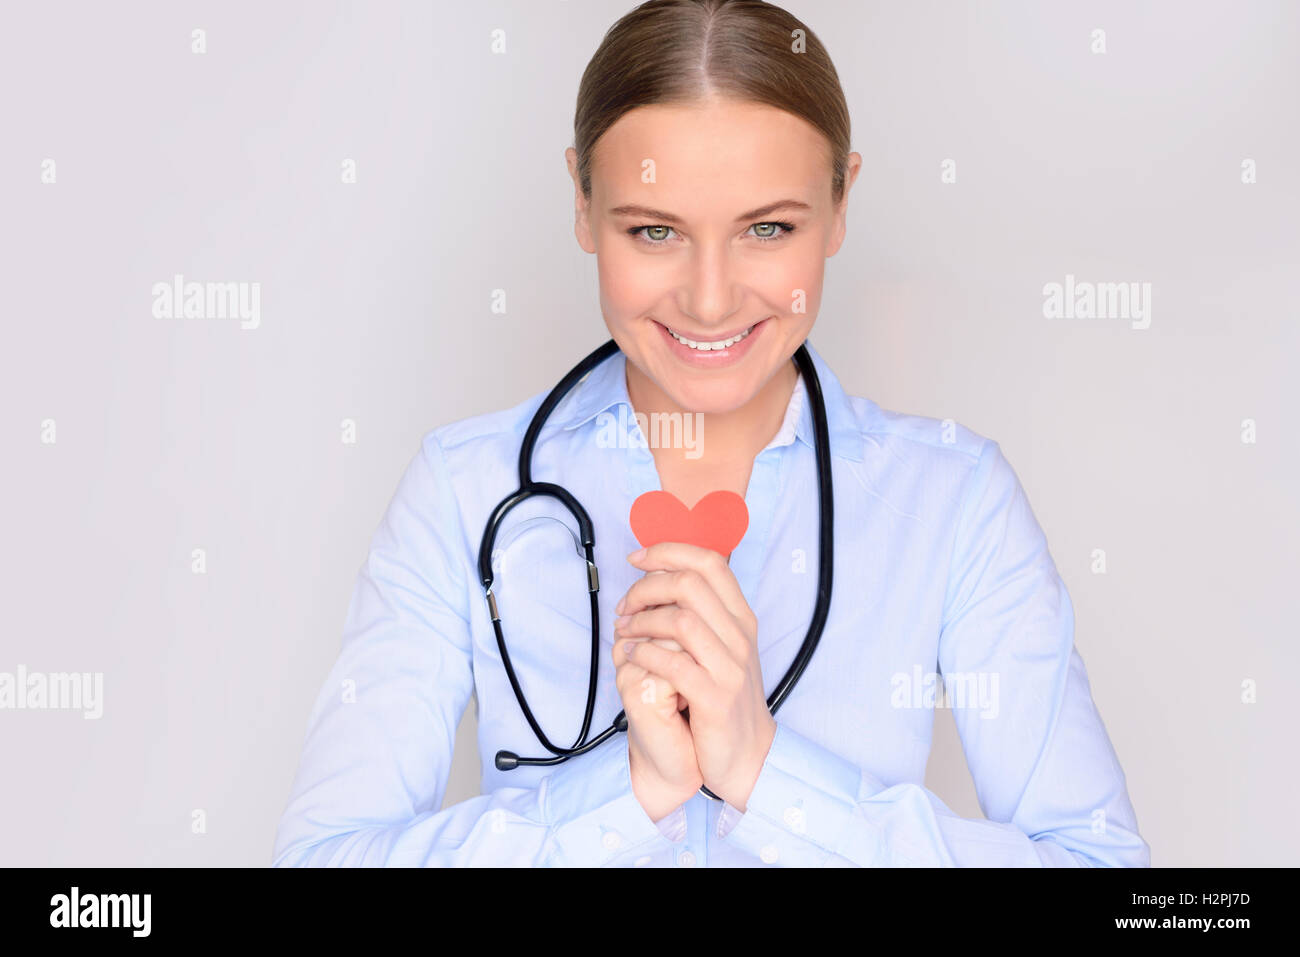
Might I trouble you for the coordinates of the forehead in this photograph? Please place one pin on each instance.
(714, 155)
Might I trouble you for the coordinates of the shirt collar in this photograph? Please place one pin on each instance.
(605, 387)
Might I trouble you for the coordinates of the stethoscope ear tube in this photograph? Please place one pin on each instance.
(508, 760)
(825, 532)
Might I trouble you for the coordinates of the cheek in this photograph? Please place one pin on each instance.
(791, 281)
(629, 284)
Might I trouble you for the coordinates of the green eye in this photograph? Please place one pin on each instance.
(777, 232)
(650, 235)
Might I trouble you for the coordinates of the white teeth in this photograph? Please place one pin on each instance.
(710, 346)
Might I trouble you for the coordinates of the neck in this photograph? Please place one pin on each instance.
(731, 440)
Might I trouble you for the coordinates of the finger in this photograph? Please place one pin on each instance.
(675, 556)
(686, 588)
(677, 667)
(625, 672)
(638, 687)
(683, 626)
(620, 655)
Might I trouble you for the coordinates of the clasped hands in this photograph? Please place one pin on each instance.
(686, 637)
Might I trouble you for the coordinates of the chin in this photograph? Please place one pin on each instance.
(713, 395)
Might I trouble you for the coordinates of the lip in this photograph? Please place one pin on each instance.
(714, 358)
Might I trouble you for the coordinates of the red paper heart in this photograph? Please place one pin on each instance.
(718, 521)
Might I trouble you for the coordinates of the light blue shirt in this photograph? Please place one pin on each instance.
(939, 561)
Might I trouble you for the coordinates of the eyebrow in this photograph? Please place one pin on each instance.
(646, 212)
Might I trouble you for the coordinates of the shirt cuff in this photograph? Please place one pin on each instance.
(594, 815)
(801, 811)
(728, 818)
(673, 826)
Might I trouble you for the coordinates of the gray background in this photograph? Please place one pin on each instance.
(182, 434)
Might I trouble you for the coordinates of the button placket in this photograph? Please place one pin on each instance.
(746, 561)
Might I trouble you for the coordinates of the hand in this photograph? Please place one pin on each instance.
(661, 758)
(697, 603)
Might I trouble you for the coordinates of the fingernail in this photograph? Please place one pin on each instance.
(637, 555)
(622, 603)
(621, 620)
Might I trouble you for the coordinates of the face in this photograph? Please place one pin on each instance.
(713, 222)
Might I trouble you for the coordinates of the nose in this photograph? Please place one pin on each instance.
(713, 290)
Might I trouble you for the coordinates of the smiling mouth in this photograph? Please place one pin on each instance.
(710, 345)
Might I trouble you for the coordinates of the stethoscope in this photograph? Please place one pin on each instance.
(508, 760)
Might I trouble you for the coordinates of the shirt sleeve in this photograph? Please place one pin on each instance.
(1048, 780)
(379, 741)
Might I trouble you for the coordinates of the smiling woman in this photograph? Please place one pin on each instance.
(711, 174)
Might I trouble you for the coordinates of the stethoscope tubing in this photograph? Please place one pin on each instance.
(508, 760)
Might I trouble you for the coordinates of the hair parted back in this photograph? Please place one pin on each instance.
(680, 51)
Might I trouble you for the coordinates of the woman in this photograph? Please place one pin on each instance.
(711, 172)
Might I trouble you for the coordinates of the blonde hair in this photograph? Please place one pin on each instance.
(679, 51)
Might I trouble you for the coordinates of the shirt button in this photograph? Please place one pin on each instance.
(611, 840)
(768, 854)
(687, 859)
(642, 861)
(794, 819)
